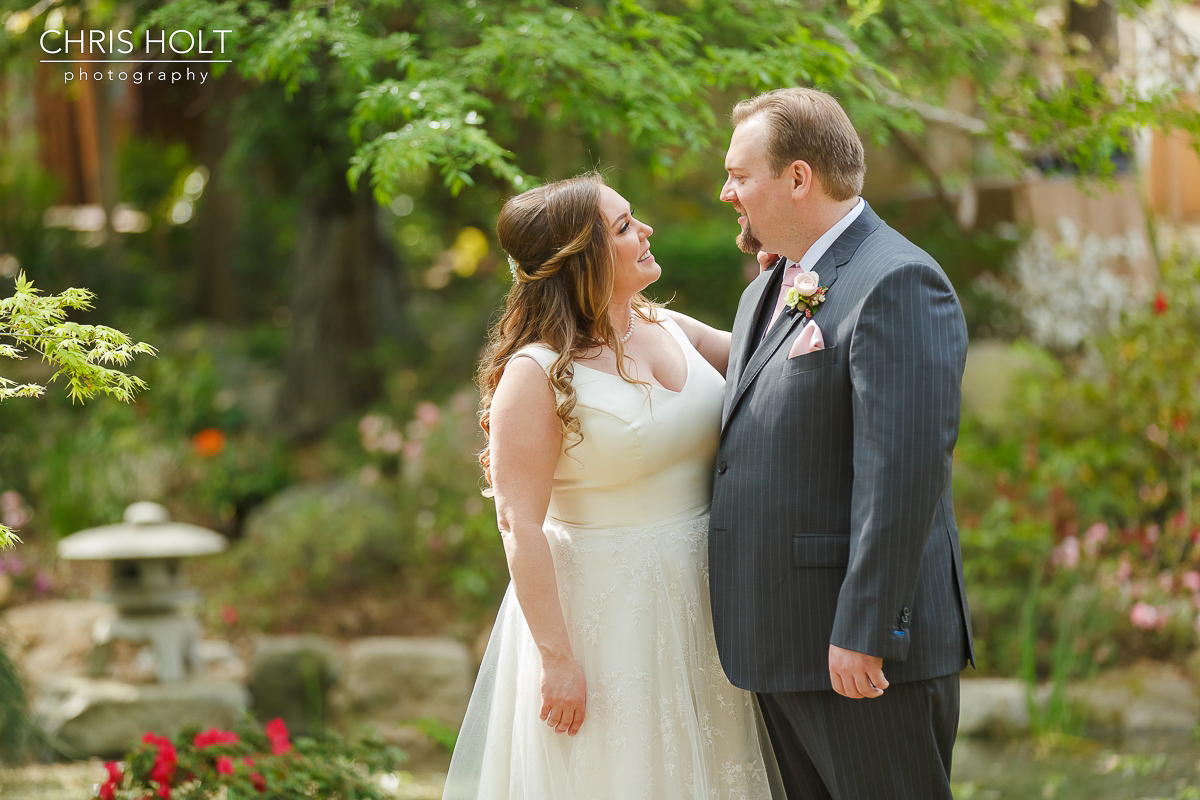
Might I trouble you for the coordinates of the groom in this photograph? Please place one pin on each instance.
(836, 573)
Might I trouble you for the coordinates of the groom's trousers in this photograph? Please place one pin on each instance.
(894, 747)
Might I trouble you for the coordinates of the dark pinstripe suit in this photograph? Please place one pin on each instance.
(832, 519)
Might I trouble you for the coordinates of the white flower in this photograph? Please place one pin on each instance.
(807, 283)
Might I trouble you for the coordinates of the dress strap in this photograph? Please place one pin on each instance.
(544, 356)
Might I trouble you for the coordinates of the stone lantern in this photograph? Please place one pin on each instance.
(147, 586)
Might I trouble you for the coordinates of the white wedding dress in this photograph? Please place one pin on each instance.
(627, 527)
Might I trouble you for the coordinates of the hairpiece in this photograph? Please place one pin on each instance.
(512, 267)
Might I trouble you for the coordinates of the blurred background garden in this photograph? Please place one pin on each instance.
(306, 238)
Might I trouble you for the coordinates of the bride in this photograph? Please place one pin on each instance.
(601, 679)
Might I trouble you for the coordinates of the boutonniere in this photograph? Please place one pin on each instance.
(805, 294)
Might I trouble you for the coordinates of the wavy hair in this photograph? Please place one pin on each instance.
(562, 288)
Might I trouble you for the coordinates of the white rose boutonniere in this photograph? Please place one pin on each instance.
(805, 294)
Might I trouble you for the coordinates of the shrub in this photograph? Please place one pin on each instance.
(1086, 549)
(249, 762)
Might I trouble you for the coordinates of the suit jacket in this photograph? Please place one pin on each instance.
(832, 519)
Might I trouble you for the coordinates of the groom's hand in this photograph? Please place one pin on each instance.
(856, 675)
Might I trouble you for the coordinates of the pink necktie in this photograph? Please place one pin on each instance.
(789, 276)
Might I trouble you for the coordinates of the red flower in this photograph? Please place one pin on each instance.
(229, 615)
(259, 782)
(213, 736)
(224, 765)
(164, 792)
(164, 763)
(277, 732)
(109, 789)
(1160, 302)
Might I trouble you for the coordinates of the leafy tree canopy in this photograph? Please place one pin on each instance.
(447, 85)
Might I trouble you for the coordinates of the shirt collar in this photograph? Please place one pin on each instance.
(818, 248)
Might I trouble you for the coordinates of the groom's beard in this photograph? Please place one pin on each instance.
(747, 242)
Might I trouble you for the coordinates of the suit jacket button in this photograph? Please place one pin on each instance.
(721, 468)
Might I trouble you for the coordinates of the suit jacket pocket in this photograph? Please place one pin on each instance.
(821, 551)
(810, 361)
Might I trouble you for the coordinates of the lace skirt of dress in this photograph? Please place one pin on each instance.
(662, 722)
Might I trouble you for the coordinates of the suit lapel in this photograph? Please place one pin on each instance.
(743, 350)
(836, 257)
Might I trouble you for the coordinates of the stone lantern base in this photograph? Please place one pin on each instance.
(105, 719)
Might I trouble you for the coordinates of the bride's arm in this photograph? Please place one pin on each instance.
(526, 438)
(712, 343)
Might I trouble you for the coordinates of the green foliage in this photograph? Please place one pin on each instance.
(249, 762)
(442, 734)
(703, 271)
(15, 723)
(1089, 535)
(199, 441)
(453, 87)
(34, 322)
(408, 529)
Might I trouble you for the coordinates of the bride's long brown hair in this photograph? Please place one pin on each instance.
(565, 263)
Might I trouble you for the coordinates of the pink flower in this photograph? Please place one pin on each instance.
(224, 765)
(807, 283)
(1124, 569)
(1094, 536)
(391, 442)
(428, 414)
(1067, 553)
(1147, 617)
(1166, 581)
(1191, 580)
(12, 511)
(1160, 303)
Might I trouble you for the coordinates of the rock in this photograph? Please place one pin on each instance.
(290, 677)
(390, 681)
(993, 707)
(54, 637)
(1142, 698)
(1193, 668)
(105, 718)
(219, 661)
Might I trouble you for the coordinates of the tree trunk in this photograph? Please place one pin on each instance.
(1096, 22)
(346, 295)
(216, 292)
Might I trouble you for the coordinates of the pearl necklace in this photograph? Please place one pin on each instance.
(629, 332)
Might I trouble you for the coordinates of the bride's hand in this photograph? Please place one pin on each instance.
(564, 694)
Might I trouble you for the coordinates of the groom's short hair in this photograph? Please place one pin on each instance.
(809, 125)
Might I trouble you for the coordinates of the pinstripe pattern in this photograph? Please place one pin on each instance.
(862, 551)
(897, 747)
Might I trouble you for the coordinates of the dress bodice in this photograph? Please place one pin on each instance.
(647, 452)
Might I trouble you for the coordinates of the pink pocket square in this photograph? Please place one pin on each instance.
(810, 340)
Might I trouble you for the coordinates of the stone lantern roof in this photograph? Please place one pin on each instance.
(146, 532)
